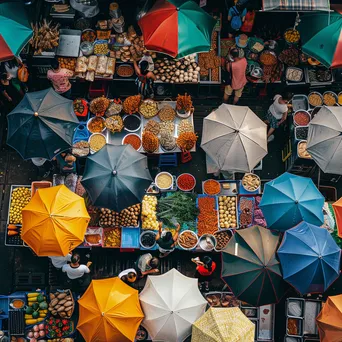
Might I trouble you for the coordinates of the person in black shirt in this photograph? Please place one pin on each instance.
(8, 92)
(166, 241)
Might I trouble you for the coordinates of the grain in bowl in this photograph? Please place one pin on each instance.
(96, 142)
(164, 180)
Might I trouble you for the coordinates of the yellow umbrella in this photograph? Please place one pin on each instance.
(223, 325)
(109, 311)
(54, 221)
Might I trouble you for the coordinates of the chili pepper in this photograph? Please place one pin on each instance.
(186, 182)
(212, 187)
(207, 219)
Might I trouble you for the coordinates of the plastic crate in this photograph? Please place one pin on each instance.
(81, 133)
(39, 185)
(130, 237)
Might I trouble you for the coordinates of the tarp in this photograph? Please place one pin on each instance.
(296, 5)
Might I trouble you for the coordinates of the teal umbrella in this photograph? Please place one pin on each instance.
(15, 30)
(321, 37)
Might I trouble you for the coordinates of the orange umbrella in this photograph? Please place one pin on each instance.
(109, 311)
(329, 320)
(338, 214)
(54, 221)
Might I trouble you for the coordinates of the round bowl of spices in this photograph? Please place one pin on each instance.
(301, 118)
(187, 240)
(133, 140)
(96, 125)
(186, 182)
(164, 180)
(167, 142)
(148, 239)
(132, 123)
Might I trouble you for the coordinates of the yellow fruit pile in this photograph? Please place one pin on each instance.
(149, 213)
(20, 197)
(292, 36)
(112, 237)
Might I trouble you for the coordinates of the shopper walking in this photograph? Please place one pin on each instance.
(237, 69)
(59, 78)
(145, 79)
(165, 241)
(146, 264)
(204, 271)
(277, 113)
(128, 276)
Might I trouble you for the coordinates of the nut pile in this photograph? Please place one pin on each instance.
(246, 212)
(166, 127)
(167, 113)
(129, 217)
(109, 218)
(99, 105)
(222, 238)
(114, 123)
(227, 211)
(153, 127)
(185, 126)
(101, 49)
(148, 109)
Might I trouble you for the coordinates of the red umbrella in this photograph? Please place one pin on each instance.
(5, 51)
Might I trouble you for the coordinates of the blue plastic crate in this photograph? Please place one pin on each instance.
(4, 306)
(130, 237)
(81, 133)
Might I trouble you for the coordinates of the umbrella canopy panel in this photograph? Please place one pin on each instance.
(310, 258)
(177, 28)
(234, 138)
(171, 302)
(321, 37)
(15, 29)
(116, 177)
(42, 125)
(250, 267)
(337, 206)
(290, 199)
(54, 221)
(329, 320)
(325, 139)
(109, 311)
(223, 324)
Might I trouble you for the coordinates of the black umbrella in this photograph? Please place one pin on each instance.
(116, 177)
(42, 125)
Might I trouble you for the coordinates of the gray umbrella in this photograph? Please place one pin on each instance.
(116, 177)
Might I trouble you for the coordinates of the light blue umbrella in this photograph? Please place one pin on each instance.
(290, 199)
(310, 258)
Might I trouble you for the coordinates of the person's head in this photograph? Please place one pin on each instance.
(54, 64)
(4, 77)
(286, 96)
(144, 67)
(207, 261)
(167, 237)
(234, 53)
(131, 277)
(154, 262)
(75, 259)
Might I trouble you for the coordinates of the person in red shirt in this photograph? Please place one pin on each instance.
(204, 271)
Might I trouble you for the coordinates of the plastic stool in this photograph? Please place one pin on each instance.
(169, 159)
(97, 89)
(185, 157)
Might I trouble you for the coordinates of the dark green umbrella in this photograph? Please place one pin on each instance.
(116, 177)
(42, 125)
(250, 267)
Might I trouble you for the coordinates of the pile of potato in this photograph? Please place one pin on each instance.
(227, 211)
(109, 218)
(129, 217)
(61, 304)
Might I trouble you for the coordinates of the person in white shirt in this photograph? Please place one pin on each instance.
(128, 276)
(59, 262)
(277, 113)
(75, 270)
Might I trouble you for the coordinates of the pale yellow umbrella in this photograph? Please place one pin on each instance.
(223, 325)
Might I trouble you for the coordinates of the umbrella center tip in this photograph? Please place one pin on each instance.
(296, 202)
(236, 131)
(102, 313)
(178, 8)
(114, 172)
(36, 114)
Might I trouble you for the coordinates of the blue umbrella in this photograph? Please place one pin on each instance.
(310, 258)
(290, 199)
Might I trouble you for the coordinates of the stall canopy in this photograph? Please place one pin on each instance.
(234, 138)
(15, 30)
(296, 5)
(325, 139)
(171, 303)
(310, 258)
(54, 221)
(250, 267)
(177, 28)
(337, 206)
(321, 36)
(329, 320)
(42, 125)
(109, 311)
(290, 199)
(116, 177)
(223, 324)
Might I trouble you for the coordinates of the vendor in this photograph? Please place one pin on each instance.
(204, 271)
(146, 264)
(128, 276)
(8, 91)
(60, 261)
(165, 241)
(59, 78)
(145, 79)
(76, 271)
(277, 113)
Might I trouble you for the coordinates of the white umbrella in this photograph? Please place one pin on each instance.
(234, 138)
(325, 139)
(171, 303)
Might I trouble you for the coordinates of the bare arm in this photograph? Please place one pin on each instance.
(151, 75)
(229, 17)
(136, 68)
(159, 231)
(7, 96)
(283, 118)
(175, 238)
(155, 270)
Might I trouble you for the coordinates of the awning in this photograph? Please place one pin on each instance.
(296, 5)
